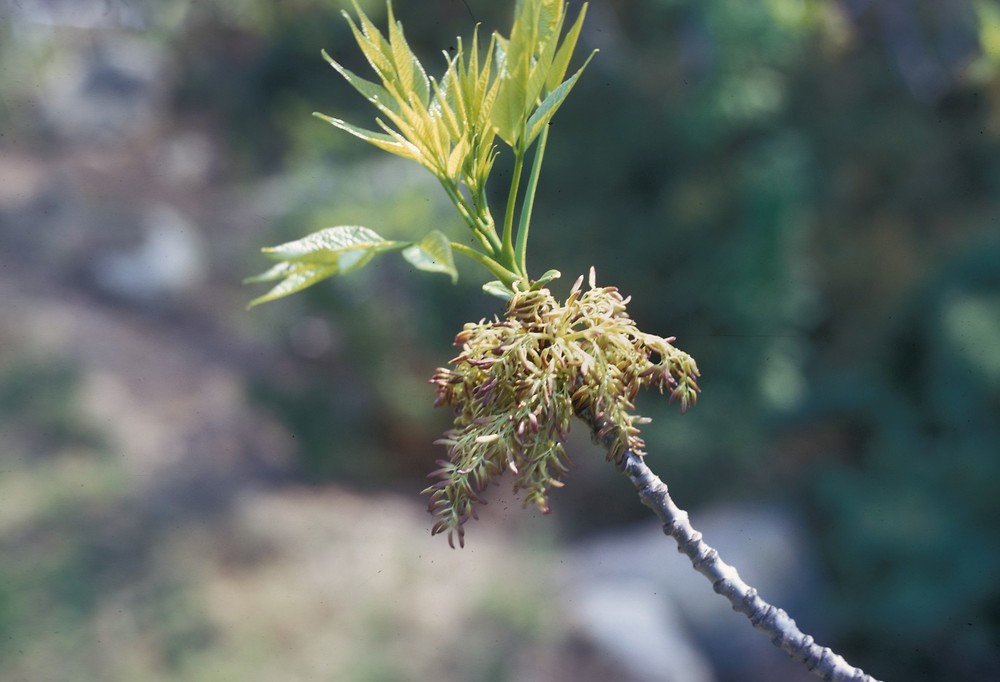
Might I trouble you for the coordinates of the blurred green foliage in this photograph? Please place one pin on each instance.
(69, 552)
(38, 411)
(909, 483)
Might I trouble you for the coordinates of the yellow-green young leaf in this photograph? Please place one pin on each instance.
(457, 158)
(525, 60)
(557, 71)
(346, 248)
(545, 279)
(482, 163)
(389, 143)
(446, 112)
(373, 45)
(297, 276)
(547, 109)
(373, 92)
(429, 134)
(498, 289)
(508, 111)
(482, 89)
(277, 271)
(546, 42)
(451, 90)
(409, 70)
(550, 15)
(432, 254)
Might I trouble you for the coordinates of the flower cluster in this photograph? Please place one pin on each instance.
(519, 381)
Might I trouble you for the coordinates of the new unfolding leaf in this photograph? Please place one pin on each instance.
(344, 246)
(547, 109)
(390, 143)
(532, 64)
(397, 66)
(296, 277)
(410, 71)
(498, 289)
(547, 277)
(373, 92)
(333, 251)
(511, 90)
(433, 254)
(557, 71)
(508, 108)
(415, 128)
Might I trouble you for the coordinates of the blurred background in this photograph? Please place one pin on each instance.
(805, 192)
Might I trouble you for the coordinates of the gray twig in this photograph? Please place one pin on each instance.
(772, 621)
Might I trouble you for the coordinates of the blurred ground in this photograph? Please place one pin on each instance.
(191, 491)
(154, 529)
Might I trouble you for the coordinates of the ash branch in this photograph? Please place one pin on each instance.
(770, 620)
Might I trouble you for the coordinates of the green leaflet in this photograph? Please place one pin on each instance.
(548, 108)
(409, 69)
(545, 279)
(297, 276)
(508, 109)
(433, 254)
(373, 92)
(557, 71)
(532, 64)
(389, 143)
(343, 246)
(498, 289)
(277, 271)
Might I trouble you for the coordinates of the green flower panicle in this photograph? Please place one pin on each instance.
(518, 382)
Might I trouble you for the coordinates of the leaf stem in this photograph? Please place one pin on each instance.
(508, 219)
(524, 225)
(508, 277)
(478, 220)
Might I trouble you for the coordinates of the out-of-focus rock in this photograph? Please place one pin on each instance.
(646, 635)
(168, 263)
(185, 160)
(78, 13)
(103, 91)
(22, 179)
